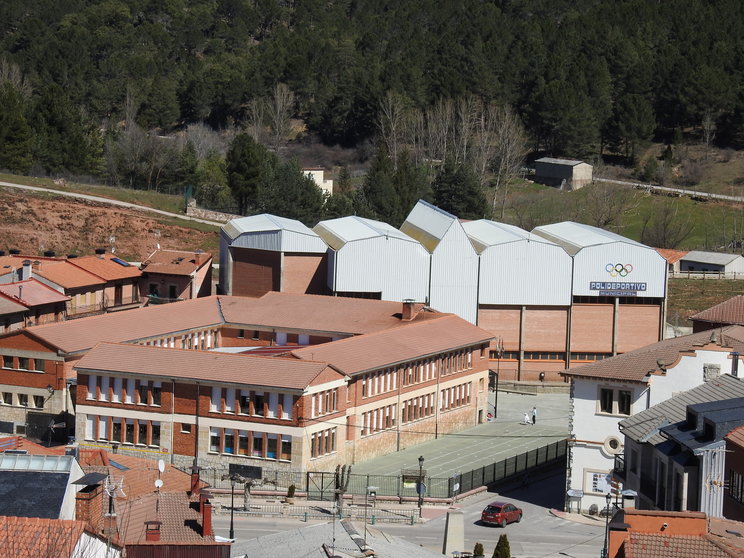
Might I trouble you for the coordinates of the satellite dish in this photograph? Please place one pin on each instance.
(158, 483)
(161, 465)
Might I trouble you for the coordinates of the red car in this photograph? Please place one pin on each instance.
(501, 513)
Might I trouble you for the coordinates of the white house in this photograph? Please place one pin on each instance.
(610, 390)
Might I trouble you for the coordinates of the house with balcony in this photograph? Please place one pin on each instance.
(174, 275)
(609, 391)
(674, 456)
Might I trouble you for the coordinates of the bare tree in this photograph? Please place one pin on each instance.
(511, 147)
(391, 123)
(279, 111)
(663, 227)
(11, 73)
(256, 118)
(606, 204)
(709, 129)
(207, 141)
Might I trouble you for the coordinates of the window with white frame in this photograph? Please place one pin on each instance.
(287, 406)
(92, 385)
(104, 394)
(118, 388)
(216, 403)
(89, 428)
(273, 405)
(230, 400)
(129, 397)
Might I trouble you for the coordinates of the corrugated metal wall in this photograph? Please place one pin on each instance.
(620, 263)
(454, 275)
(398, 269)
(525, 273)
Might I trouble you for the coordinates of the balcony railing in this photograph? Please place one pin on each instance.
(155, 299)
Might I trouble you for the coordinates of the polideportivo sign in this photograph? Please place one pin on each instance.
(617, 288)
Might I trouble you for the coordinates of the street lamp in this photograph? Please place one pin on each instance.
(421, 484)
(608, 499)
(233, 478)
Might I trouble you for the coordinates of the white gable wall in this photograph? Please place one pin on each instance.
(454, 275)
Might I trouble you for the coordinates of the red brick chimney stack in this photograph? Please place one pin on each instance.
(152, 531)
(408, 312)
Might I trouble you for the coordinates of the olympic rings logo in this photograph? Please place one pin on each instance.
(618, 270)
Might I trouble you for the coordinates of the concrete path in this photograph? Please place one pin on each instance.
(108, 201)
(504, 437)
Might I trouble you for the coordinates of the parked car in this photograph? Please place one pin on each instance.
(501, 513)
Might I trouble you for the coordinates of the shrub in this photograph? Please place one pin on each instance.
(478, 549)
(502, 549)
(291, 491)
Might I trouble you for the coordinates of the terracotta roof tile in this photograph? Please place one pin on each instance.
(67, 275)
(9, 306)
(107, 267)
(636, 365)
(32, 448)
(175, 262)
(671, 256)
(736, 436)
(32, 292)
(31, 537)
(648, 545)
(184, 363)
(323, 314)
(403, 343)
(730, 311)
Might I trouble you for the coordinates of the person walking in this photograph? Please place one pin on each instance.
(534, 415)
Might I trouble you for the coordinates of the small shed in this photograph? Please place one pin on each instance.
(712, 262)
(566, 174)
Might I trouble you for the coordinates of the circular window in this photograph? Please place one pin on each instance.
(612, 445)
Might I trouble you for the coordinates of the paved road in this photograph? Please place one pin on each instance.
(108, 201)
(539, 535)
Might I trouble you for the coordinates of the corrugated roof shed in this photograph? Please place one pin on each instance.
(644, 426)
(270, 232)
(635, 365)
(337, 232)
(575, 236)
(428, 224)
(484, 233)
(714, 258)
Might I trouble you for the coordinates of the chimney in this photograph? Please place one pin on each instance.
(14, 251)
(198, 257)
(89, 506)
(203, 500)
(408, 311)
(735, 364)
(152, 531)
(26, 270)
(20, 292)
(207, 519)
(100, 252)
(195, 480)
(49, 254)
(36, 265)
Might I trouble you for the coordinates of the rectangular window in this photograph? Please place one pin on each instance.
(92, 385)
(258, 403)
(605, 400)
(229, 441)
(39, 401)
(39, 364)
(230, 400)
(7, 398)
(7, 361)
(214, 439)
(244, 401)
(157, 390)
(129, 398)
(142, 393)
(23, 400)
(623, 402)
(287, 406)
(273, 404)
(155, 437)
(22, 363)
(102, 428)
(129, 431)
(257, 450)
(116, 430)
(118, 387)
(142, 433)
(286, 450)
(185, 428)
(89, 428)
(242, 443)
(104, 393)
(216, 404)
(271, 446)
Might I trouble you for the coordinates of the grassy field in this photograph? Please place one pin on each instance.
(690, 296)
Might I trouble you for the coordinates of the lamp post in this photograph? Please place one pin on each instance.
(608, 499)
(421, 484)
(233, 478)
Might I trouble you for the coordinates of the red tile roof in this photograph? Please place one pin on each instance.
(67, 275)
(32, 292)
(32, 537)
(736, 436)
(201, 365)
(175, 262)
(9, 306)
(671, 256)
(730, 311)
(106, 267)
(181, 521)
(403, 343)
(140, 475)
(329, 315)
(651, 545)
(32, 448)
(636, 365)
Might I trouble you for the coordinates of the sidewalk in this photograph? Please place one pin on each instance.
(577, 517)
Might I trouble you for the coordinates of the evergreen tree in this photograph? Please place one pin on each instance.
(502, 549)
(15, 133)
(457, 190)
(288, 192)
(247, 166)
(379, 188)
